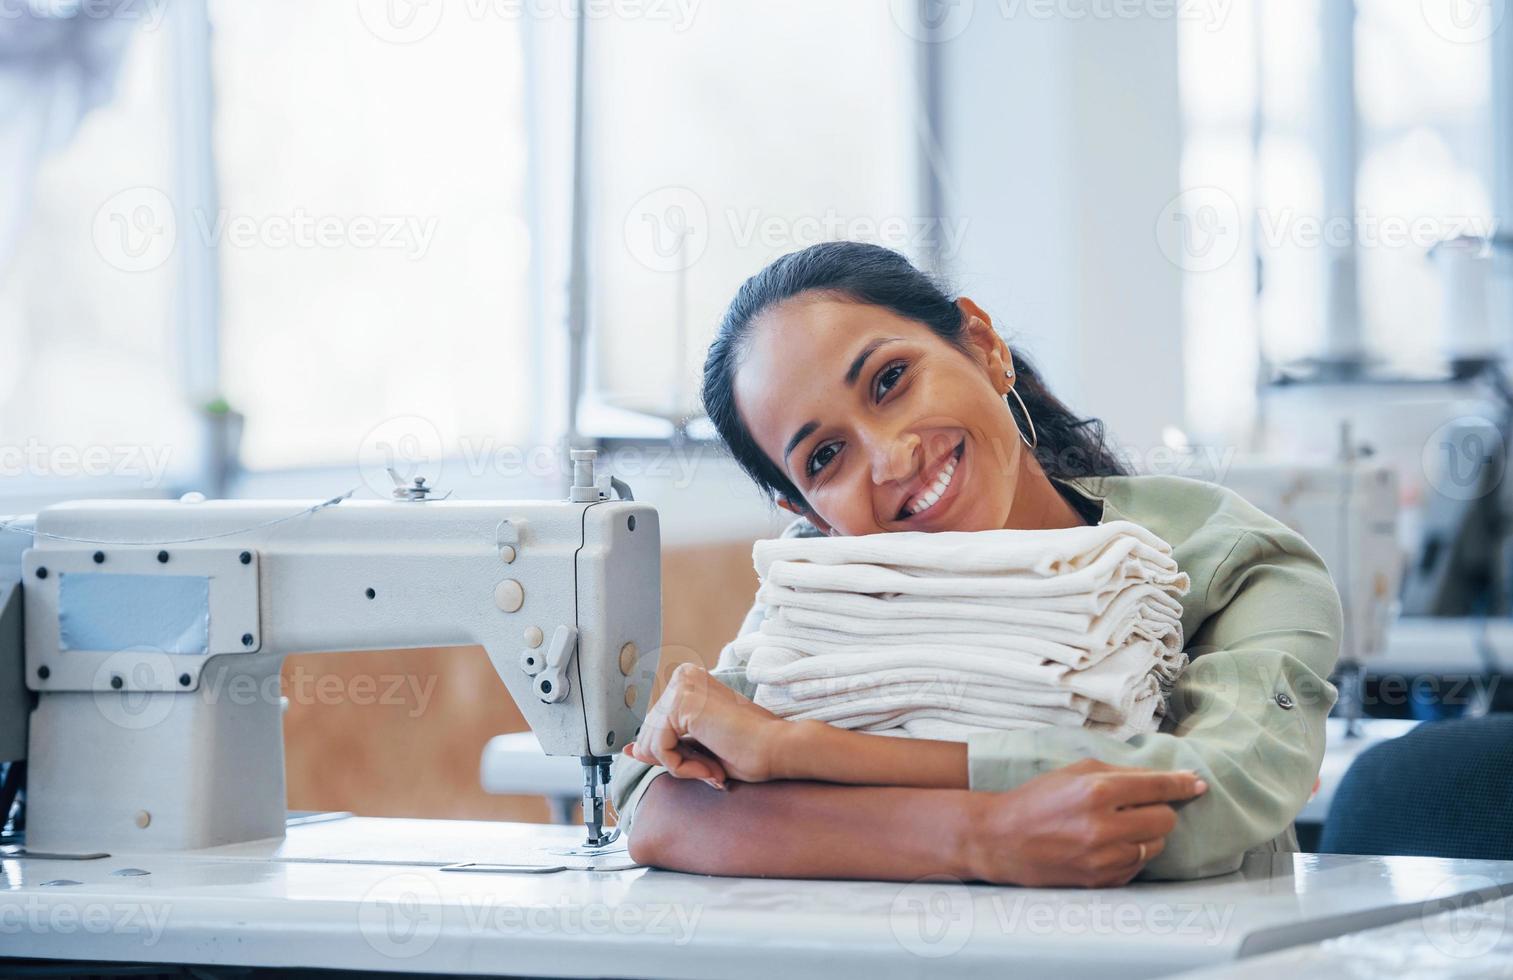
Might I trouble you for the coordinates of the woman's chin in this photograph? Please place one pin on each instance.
(971, 519)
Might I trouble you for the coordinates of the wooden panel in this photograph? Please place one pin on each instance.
(399, 732)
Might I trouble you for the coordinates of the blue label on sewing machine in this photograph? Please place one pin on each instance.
(170, 613)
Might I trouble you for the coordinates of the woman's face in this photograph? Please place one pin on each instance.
(881, 424)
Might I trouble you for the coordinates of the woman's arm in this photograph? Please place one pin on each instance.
(1085, 825)
(802, 830)
(815, 750)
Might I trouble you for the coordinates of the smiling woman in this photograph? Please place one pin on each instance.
(866, 400)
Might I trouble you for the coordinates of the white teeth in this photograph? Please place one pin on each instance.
(928, 499)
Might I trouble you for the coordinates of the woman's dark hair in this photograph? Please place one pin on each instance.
(1069, 446)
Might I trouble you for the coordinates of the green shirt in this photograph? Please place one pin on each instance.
(1262, 624)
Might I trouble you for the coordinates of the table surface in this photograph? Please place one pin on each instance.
(1436, 646)
(1463, 941)
(514, 763)
(364, 893)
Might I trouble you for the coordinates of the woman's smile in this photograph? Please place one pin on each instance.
(927, 506)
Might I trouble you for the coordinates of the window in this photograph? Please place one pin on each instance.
(354, 215)
(716, 144)
(1212, 221)
(1361, 136)
(85, 392)
(374, 253)
(1424, 90)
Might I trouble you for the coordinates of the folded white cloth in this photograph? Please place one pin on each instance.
(1045, 553)
(940, 635)
(1134, 613)
(1087, 587)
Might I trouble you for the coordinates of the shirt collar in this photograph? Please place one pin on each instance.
(1081, 485)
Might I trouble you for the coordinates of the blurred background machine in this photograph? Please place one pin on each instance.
(1348, 511)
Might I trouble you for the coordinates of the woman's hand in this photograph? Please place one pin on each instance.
(1088, 824)
(701, 729)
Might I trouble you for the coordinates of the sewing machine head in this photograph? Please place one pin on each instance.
(140, 615)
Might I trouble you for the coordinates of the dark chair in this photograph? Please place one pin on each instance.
(1443, 790)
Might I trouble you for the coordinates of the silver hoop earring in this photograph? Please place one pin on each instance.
(1034, 439)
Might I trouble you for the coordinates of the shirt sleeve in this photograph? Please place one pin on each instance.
(1247, 713)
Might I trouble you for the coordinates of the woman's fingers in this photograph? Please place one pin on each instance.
(699, 764)
(661, 740)
(1139, 823)
(682, 760)
(1083, 824)
(1120, 861)
(1153, 847)
(692, 708)
(1138, 788)
(1137, 854)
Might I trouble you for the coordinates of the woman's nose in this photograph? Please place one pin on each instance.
(893, 459)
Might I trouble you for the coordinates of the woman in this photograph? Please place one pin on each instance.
(865, 400)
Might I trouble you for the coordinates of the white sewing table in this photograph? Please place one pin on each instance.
(369, 894)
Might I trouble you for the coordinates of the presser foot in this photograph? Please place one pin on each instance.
(595, 786)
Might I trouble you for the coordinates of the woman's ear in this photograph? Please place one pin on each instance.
(985, 345)
(800, 510)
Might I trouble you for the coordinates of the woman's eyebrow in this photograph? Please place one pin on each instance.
(861, 359)
(798, 437)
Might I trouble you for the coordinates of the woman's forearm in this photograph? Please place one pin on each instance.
(817, 751)
(791, 829)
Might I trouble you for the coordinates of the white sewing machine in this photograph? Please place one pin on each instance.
(142, 618)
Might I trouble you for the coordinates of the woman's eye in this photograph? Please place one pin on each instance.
(888, 378)
(823, 455)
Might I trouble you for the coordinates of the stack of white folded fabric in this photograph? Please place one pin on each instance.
(941, 635)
